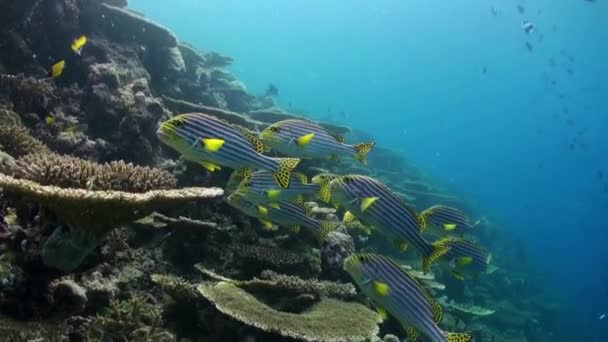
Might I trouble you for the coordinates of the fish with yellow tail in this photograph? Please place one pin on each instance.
(396, 292)
(214, 144)
(285, 214)
(78, 44)
(306, 139)
(465, 259)
(56, 69)
(260, 187)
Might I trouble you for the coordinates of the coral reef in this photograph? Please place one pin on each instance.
(16, 141)
(327, 320)
(91, 215)
(72, 172)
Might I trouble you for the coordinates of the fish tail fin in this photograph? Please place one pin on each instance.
(324, 191)
(438, 249)
(458, 337)
(361, 151)
(282, 175)
(326, 228)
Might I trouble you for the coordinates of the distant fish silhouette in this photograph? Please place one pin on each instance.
(272, 91)
(521, 9)
(530, 47)
(495, 11)
(602, 316)
(484, 70)
(600, 174)
(527, 26)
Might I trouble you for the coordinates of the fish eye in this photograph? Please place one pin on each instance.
(274, 129)
(178, 122)
(348, 179)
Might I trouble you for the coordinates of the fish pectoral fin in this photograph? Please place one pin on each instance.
(273, 194)
(274, 205)
(367, 202)
(210, 166)
(304, 139)
(381, 288)
(212, 145)
(449, 226)
(464, 261)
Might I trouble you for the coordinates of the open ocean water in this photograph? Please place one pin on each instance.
(514, 120)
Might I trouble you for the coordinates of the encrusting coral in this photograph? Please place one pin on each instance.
(288, 285)
(16, 141)
(72, 172)
(328, 320)
(90, 215)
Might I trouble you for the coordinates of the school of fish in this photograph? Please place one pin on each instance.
(271, 190)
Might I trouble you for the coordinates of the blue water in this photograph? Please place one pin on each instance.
(412, 74)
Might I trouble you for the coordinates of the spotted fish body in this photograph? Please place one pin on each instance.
(305, 139)
(446, 221)
(214, 143)
(261, 188)
(391, 288)
(284, 214)
(388, 213)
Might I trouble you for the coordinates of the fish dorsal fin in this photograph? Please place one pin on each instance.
(257, 144)
(436, 308)
(302, 178)
(339, 137)
(420, 218)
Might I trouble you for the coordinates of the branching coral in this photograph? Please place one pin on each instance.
(28, 94)
(286, 284)
(90, 215)
(72, 172)
(17, 141)
(267, 255)
(328, 320)
(135, 319)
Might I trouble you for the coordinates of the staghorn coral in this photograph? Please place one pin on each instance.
(90, 216)
(267, 255)
(286, 284)
(17, 141)
(72, 172)
(328, 320)
(135, 319)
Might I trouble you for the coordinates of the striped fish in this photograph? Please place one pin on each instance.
(377, 206)
(396, 292)
(261, 188)
(443, 220)
(305, 139)
(213, 143)
(465, 259)
(284, 214)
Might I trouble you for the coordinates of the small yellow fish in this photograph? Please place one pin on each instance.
(78, 44)
(57, 69)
